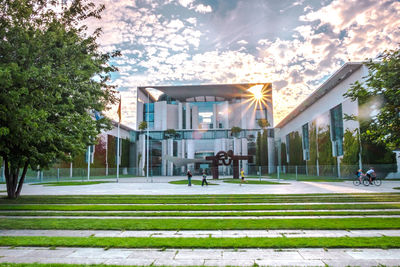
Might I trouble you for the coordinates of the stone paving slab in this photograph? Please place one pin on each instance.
(207, 257)
(204, 233)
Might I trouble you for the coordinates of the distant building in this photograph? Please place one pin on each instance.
(202, 117)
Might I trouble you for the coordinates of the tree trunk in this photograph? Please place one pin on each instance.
(11, 174)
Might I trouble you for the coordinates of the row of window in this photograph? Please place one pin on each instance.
(336, 116)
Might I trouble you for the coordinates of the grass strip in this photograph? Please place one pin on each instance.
(71, 183)
(236, 181)
(200, 224)
(201, 199)
(196, 207)
(244, 242)
(201, 214)
(194, 182)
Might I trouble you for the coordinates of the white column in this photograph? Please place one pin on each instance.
(182, 152)
(215, 115)
(271, 154)
(190, 152)
(170, 165)
(195, 117)
(226, 115)
(180, 116)
(164, 151)
(142, 149)
(188, 112)
(244, 153)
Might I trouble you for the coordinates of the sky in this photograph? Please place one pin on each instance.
(295, 45)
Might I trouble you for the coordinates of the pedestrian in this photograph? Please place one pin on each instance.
(242, 176)
(189, 176)
(204, 179)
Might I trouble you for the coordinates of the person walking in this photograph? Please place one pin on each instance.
(189, 176)
(242, 176)
(204, 180)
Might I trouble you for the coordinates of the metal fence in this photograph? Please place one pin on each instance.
(302, 172)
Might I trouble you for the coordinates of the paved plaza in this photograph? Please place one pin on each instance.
(160, 186)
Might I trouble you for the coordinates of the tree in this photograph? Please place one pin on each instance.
(263, 123)
(143, 126)
(171, 133)
(235, 130)
(52, 78)
(383, 83)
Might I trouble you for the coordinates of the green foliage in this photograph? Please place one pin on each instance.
(258, 149)
(295, 149)
(111, 151)
(283, 155)
(125, 146)
(325, 147)
(382, 83)
(170, 133)
(313, 144)
(235, 130)
(351, 148)
(264, 149)
(143, 126)
(263, 123)
(52, 75)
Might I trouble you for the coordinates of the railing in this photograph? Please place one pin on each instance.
(301, 172)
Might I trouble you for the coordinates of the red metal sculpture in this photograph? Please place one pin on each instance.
(226, 158)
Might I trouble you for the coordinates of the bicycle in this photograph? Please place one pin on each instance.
(374, 181)
(357, 181)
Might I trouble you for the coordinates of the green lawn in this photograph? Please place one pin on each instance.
(195, 207)
(71, 183)
(200, 199)
(246, 181)
(194, 182)
(199, 224)
(151, 242)
(200, 214)
(310, 178)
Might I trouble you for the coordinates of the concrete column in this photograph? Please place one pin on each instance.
(180, 116)
(271, 154)
(142, 149)
(170, 165)
(226, 115)
(244, 153)
(190, 151)
(195, 117)
(181, 150)
(164, 151)
(188, 112)
(215, 115)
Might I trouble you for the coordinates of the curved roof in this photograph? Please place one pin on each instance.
(227, 91)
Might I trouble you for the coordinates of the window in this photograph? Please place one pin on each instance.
(337, 130)
(306, 142)
(148, 114)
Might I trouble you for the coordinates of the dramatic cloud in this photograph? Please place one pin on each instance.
(294, 45)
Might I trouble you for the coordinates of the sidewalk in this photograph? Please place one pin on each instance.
(206, 257)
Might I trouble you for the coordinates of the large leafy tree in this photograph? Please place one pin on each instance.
(52, 76)
(382, 84)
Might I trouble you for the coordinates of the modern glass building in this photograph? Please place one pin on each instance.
(195, 121)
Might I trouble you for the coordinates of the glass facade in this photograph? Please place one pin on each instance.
(337, 130)
(148, 114)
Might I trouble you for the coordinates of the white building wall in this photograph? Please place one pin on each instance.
(180, 116)
(215, 116)
(324, 104)
(195, 117)
(188, 112)
(170, 165)
(190, 152)
(164, 146)
(139, 113)
(160, 116)
(172, 117)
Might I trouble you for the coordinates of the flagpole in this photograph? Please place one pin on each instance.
(147, 137)
(88, 163)
(118, 154)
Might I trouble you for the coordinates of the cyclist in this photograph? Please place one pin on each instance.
(360, 174)
(371, 174)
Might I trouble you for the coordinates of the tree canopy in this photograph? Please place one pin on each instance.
(52, 77)
(382, 85)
